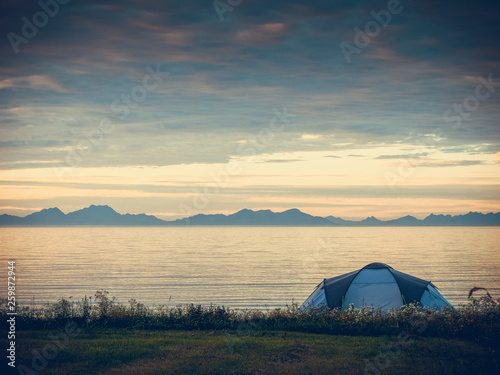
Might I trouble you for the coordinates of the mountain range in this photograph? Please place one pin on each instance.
(106, 216)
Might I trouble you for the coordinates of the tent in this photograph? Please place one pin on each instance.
(377, 285)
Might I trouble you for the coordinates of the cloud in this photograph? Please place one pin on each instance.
(261, 35)
(227, 77)
(388, 55)
(34, 143)
(35, 82)
(311, 137)
(402, 156)
(459, 192)
(487, 148)
(280, 160)
(451, 163)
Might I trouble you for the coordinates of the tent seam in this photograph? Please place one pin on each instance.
(348, 286)
(324, 292)
(399, 286)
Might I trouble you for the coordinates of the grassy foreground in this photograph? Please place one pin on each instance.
(104, 337)
(125, 351)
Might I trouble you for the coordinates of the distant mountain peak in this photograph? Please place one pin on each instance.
(53, 214)
(96, 210)
(99, 207)
(244, 211)
(53, 211)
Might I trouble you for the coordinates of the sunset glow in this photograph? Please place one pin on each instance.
(146, 111)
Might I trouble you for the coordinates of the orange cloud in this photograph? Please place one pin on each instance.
(33, 82)
(266, 34)
(386, 54)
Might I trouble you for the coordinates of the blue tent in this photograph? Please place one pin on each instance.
(377, 285)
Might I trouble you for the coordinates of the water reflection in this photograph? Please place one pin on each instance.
(238, 266)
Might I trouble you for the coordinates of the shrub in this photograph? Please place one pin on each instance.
(479, 320)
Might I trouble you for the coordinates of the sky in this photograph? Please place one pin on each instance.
(174, 108)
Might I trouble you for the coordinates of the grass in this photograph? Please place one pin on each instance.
(104, 337)
(123, 351)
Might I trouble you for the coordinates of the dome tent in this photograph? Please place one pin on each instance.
(377, 285)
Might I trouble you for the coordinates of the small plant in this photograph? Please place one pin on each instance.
(86, 308)
(63, 309)
(103, 302)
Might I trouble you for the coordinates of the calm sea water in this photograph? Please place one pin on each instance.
(239, 267)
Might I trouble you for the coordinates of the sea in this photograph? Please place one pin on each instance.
(237, 267)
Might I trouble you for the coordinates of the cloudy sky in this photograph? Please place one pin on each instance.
(172, 108)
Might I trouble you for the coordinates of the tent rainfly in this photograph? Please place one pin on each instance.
(377, 285)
